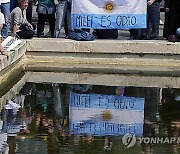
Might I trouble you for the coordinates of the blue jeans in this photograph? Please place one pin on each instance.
(5, 9)
(153, 17)
(61, 11)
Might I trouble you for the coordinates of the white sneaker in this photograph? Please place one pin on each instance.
(161, 22)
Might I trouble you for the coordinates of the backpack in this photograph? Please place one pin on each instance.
(25, 27)
(80, 35)
(172, 38)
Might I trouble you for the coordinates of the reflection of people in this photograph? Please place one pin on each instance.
(62, 135)
(120, 90)
(107, 145)
(175, 127)
(147, 149)
(150, 128)
(45, 126)
(4, 118)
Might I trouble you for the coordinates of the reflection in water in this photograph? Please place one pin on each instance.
(43, 124)
(102, 115)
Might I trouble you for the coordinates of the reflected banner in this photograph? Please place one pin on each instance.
(101, 115)
(109, 14)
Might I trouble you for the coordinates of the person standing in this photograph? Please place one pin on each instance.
(153, 18)
(1, 25)
(172, 18)
(61, 14)
(5, 9)
(46, 10)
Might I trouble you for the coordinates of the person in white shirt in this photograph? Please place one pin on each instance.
(18, 21)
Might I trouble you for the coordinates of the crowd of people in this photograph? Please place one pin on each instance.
(16, 18)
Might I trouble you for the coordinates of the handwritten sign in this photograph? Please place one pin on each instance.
(10, 43)
(109, 14)
(101, 115)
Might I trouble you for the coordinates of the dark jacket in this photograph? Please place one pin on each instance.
(158, 1)
(172, 4)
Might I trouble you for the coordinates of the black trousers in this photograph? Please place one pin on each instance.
(107, 33)
(166, 25)
(41, 22)
(174, 20)
(25, 34)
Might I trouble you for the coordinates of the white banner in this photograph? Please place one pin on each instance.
(101, 115)
(109, 14)
(10, 42)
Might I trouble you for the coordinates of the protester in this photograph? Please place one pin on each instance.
(29, 11)
(14, 4)
(153, 18)
(1, 25)
(61, 16)
(172, 22)
(5, 9)
(166, 20)
(18, 21)
(46, 10)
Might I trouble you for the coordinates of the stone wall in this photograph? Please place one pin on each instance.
(100, 62)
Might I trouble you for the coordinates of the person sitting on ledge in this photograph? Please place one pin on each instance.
(18, 21)
(2, 51)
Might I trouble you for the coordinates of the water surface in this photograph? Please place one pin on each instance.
(62, 118)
